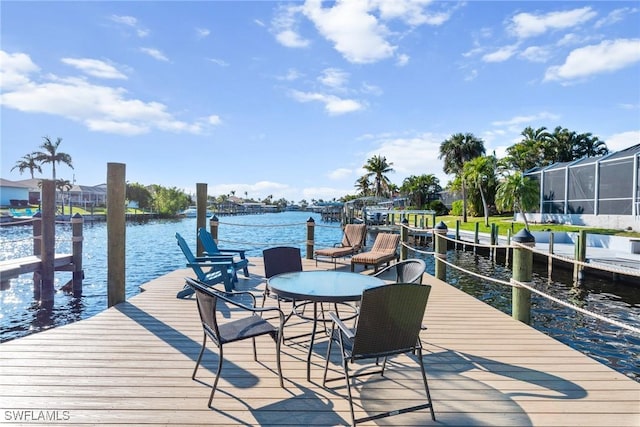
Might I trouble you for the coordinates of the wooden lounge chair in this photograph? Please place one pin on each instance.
(353, 240)
(383, 251)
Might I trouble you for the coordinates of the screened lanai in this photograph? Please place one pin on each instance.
(582, 190)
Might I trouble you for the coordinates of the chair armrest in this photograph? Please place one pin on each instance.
(210, 264)
(229, 297)
(234, 251)
(214, 258)
(348, 333)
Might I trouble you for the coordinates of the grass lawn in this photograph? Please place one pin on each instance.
(505, 223)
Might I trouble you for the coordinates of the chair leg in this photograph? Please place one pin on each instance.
(426, 385)
(215, 382)
(345, 366)
(204, 342)
(326, 364)
(255, 352)
(279, 337)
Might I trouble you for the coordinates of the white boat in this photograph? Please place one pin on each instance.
(190, 212)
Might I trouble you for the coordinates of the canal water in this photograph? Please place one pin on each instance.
(151, 251)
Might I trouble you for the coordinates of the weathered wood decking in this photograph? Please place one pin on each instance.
(132, 364)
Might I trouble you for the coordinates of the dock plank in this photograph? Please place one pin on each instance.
(132, 364)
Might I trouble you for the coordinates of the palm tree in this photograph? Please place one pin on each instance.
(529, 152)
(377, 167)
(63, 185)
(518, 192)
(587, 145)
(480, 173)
(363, 185)
(51, 155)
(419, 188)
(457, 150)
(28, 162)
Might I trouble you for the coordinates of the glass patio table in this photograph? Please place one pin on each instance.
(319, 287)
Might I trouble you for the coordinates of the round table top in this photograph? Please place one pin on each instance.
(323, 286)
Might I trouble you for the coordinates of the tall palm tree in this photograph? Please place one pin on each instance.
(529, 152)
(363, 185)
(377, 167)
(457, 150)
(480, 173)
(28, 162)
(50, 154)
(518, 192)
(418, 188)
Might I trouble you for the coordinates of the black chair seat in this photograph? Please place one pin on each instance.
(247, 327)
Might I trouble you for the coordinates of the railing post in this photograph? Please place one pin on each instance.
(457, 233)
(47, 256)
(201, 213)
(116, 233)
(492, 241)
(404, 238)
(77, 224)
(522, 272)
(439, 231)
(213, 228)
(580, 256)
(311, 225)
(37, 250)
(506, 253)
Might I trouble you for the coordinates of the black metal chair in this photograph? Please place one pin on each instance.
(278, 260)
(388, 325)
(250, 326)
(406, 271)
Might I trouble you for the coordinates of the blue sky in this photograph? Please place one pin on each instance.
(290, 99)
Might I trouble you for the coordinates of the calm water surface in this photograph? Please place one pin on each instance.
(152, 252)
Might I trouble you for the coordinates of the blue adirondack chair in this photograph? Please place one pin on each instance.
(211, 248)
(210, 269)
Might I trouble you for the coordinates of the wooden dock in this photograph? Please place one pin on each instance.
(14, 267)
(132, 364)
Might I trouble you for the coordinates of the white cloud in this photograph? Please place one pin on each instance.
(95, 67)
(615, 16)
(15, 70)
(219, 62)
(154, 53)
(527, 120)
(412, 12)
(285, 27)
(372, 89)
(402, 60)
(292, 74)
(202, 32)
(536, 53)
(524, 25)
(607, 56)
(355, 33)
(412, 155)
(214, 120)
(620, 141)
(333, 78)
(100, 108)
(131, 22)
(340, 173)
(501, 54)
(333, 105)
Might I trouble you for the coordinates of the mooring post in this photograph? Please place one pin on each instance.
(116, 233)
(47, 256)
(550, 256)
(522, 272)
(457, 233)
(311, 225)
(213, 228)
(77, 224)
(37, 250)
(580, 256)
(476, 237)
(507, 250)
(201, 213)
(404, 238)
(439, 231)
(492, 240)
(496, 240)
